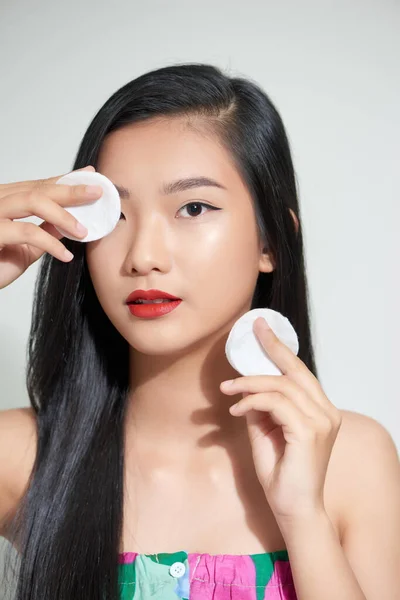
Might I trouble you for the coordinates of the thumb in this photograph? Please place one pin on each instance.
(89, 167)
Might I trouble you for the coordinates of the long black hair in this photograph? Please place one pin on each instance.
(68, 526)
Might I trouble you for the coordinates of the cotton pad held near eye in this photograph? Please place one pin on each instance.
(245, 352)
(99, 217)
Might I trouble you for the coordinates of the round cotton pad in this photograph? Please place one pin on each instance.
(99, 217)
(245, 352)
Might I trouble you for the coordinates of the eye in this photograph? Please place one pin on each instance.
(197, 206)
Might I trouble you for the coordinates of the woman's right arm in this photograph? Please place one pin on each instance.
(21, 244)
(18, 442)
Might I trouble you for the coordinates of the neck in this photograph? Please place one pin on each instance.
(175, 407)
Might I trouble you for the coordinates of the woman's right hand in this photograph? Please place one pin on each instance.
(23, 243)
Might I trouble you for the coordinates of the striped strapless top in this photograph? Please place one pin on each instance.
(193, 576)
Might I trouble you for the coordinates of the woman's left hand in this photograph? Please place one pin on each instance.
(292, 427)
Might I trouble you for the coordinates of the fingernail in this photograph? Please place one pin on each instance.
(264, 325)
(68, 254)
(227, 383)
(93, 190)
(81, 228)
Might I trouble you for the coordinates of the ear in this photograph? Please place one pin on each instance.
(295, 219)
(266, 264)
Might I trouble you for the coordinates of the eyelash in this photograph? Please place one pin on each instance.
(195, 203)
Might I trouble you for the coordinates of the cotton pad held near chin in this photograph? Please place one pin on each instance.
(245, 352)
(99, 217)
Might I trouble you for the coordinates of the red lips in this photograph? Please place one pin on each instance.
(149, 295)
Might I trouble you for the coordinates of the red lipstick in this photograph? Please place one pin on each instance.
(151, 303)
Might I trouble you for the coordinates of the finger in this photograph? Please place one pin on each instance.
(21, 186)
(18, 206)
(88, 168)
(49, 228)
(254, 384)
(253, 419)
(280, 354)
(261, 423)
(282, 411)
(289, 363)
(63, 195)
(36, 252)
(28, 233)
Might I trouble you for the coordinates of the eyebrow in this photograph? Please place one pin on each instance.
(179, 185)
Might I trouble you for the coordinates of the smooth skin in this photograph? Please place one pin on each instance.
(182, 441)
(23, 243)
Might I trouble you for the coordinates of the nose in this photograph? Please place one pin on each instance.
(149, 248)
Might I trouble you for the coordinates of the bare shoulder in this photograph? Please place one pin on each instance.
(18, 444)
(367, 473)
(358, 435)
(364, 457)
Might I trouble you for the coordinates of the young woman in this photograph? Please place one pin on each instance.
(131, 476)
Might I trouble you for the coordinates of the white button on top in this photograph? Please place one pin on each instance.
(177, 569)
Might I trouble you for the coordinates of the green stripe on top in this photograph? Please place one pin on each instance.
(265, 564)
(169, 558)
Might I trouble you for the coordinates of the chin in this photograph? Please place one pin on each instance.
(148, 338)
(167, 335)
(155, 348)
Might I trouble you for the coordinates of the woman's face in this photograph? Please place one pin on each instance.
(210, 257)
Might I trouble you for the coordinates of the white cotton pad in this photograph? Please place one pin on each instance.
(245, 352)
(99, 217)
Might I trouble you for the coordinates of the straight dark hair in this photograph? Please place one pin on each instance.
(68, 527)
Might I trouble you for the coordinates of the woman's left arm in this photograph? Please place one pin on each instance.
(367, 565)
(292, 427)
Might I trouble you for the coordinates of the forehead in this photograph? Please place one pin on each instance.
(164, 148)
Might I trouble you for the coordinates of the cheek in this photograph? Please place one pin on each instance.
(223, 269)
